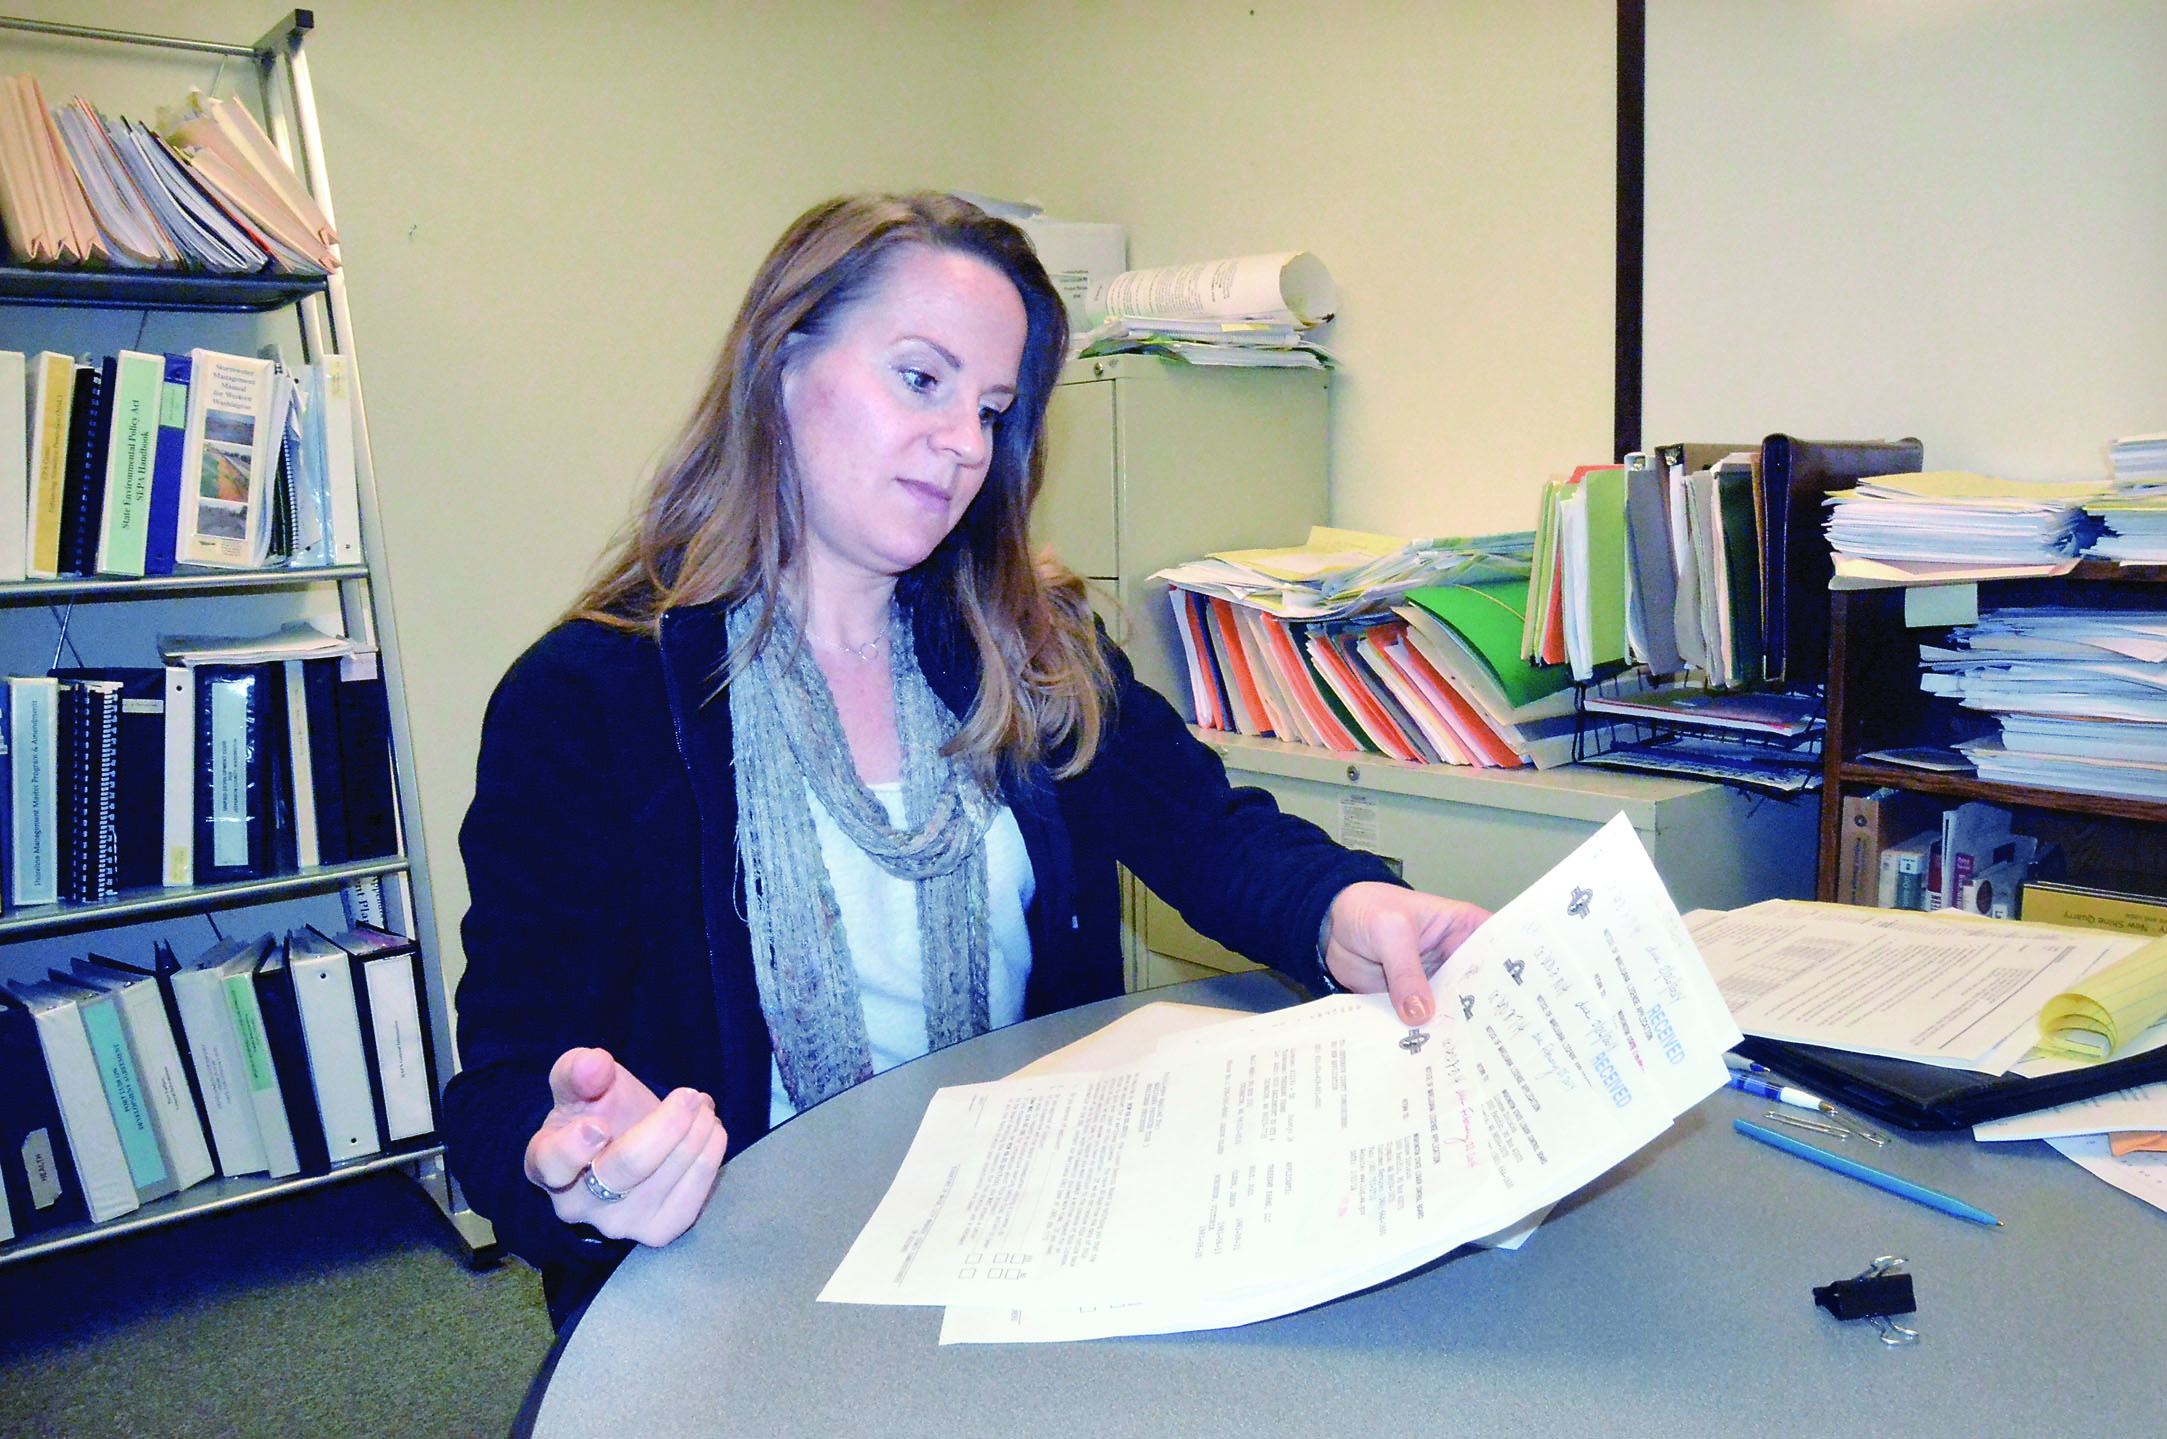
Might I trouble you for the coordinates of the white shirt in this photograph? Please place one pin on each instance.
(880, 916)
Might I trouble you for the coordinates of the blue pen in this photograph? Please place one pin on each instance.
(1866, 1174)
(1758, 1084)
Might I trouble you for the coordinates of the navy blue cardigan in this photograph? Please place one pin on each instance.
(605, 907)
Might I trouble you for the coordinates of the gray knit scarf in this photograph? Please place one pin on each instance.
(786, 735)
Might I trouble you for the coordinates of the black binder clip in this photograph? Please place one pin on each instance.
(1877, 1293)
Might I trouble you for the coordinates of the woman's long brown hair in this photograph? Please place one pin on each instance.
(724, 516)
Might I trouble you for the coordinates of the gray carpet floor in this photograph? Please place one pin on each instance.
(347, 1309)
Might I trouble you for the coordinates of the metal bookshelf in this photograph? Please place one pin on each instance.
(319, 303)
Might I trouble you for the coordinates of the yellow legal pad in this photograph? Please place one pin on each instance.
(2114, 1006)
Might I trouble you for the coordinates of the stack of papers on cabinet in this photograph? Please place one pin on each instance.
(1249, 310)
(1259, 1166)
(1945, 516)
(1335, 574)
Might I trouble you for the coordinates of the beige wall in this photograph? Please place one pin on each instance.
(549, 208)
(1452, 164)
(1945, 218)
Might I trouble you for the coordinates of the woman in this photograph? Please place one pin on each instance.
(825, 771)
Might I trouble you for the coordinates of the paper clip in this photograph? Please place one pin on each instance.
(1875, 1294)
(1834, 1127)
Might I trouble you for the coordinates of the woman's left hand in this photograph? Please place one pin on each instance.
(1384, 937)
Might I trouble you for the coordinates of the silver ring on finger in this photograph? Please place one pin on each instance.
(600, 1190)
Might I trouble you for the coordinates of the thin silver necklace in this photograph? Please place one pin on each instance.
(865, 653)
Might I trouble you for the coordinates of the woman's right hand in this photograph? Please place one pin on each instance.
(662, 1155)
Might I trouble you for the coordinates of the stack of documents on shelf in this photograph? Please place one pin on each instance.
(1941, 518)
(2081, 696)
(1249, 310)
(210, 193)
(2139, 463)
(43, 208)
(1254, 1167)
(232, 159)
(2133, 526)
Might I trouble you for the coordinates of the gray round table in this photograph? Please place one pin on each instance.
(1671, 1297)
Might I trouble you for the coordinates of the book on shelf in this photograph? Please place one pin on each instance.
(135, 392)
(177, 848)
(392, 1004)
(236, 969)
(169, 1097)
(51, 405)
(168, 466)
(217, 1063)
(152, 734)
(37, 1170)
(1971, 833)
(33, 833)
(1902, 883)
(235, 709)
(1871, 822)
(229, 459)
(331, 406)
(89, 760)
(93, 1135)
(280, 1010)
(16, 415)
(2132, 904)
(150, 1167)
(338, 1056)
(83, 499)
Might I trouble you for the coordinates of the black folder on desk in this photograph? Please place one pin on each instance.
(1927, 1096)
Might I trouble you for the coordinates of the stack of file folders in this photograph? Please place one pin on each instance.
(206, 190)
(1362, 651)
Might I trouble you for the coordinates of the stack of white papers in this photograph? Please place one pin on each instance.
(2133, 525)
(2139, 463)
(1335, 574)
(2082, 1133)
(1945, 516)
(2081, 695)
(1248, 310)
(1958, 991)
(1262, 1165)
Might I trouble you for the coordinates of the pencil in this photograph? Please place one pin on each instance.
(1866, 1173)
